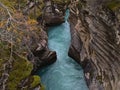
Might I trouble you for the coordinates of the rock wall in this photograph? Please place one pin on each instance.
(96, 43)
(41, 56)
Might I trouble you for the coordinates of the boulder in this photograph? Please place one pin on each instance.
(52, 15)
(43, 59)
(54, 20)
(40, 55)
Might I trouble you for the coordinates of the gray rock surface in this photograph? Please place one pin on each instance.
(96, 44)
(52, 15)
(40, 55)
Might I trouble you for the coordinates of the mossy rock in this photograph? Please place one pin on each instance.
(21, 69)
(61, 1)
(36, 81)
(4, 55)
(113, 5)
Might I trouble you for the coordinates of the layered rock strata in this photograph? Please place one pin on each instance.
(96, 43)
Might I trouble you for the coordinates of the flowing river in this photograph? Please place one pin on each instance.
(65, 73)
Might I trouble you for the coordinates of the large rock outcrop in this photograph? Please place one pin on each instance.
(52, 15)
(40, 55)
(95, 43)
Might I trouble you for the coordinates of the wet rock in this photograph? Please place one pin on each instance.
(52, 15)
(43, 59)
(75, 46)
(54, 20)
(97, 49)
(40, 55)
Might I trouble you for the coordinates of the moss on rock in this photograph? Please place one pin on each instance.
(61, 1)
(113, 5)
(21, 69)
(19, 72)
(36, 80)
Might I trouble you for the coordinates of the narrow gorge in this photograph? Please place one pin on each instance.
(60, 45)
(65, 73)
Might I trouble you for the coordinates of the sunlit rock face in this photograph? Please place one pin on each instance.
(95, 43)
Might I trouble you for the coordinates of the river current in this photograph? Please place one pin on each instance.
(65, 73)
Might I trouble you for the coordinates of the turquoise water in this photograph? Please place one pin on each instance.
(65, 73)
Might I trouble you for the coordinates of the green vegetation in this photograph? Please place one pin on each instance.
(36, 81)
(21, 69)
(61, 1)
(16, 34)
(113, 5)
(36, 11)
(4, 56)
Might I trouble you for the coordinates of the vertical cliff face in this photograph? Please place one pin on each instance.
(95, 30)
